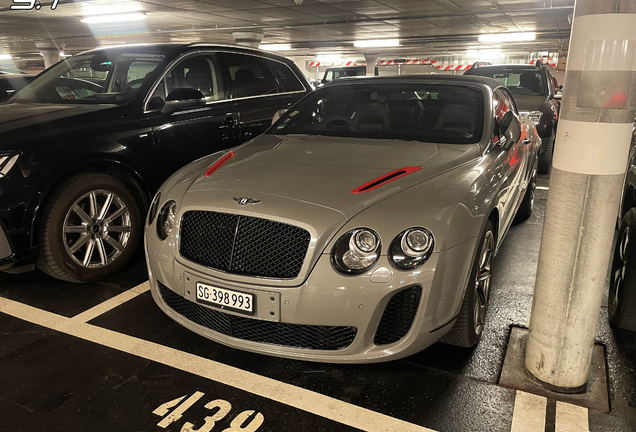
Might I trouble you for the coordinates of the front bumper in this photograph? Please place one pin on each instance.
(326, 298)
(6, 249)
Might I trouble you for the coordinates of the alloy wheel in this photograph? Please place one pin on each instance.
(482, 281)
(97, 229)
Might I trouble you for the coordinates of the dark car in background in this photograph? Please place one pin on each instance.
(84, 146)
(10, 83)
(621, 301)
(334, 73)
(535, 95)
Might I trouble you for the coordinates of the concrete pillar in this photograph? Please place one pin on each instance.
(371, 59)
(248, 39)
(51, 52)
(589, 165)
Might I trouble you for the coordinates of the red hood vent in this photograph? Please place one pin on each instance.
(386, 178)
(216, 165)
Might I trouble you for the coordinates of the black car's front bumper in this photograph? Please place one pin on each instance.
(17, 204)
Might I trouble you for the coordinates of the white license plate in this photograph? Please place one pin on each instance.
(225, 298)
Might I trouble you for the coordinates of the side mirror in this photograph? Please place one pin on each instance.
(324, 81)
(510, 128)
(182, 99)
(279, 114)
(558, 95)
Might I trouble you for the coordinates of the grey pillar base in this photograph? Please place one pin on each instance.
(515, 376)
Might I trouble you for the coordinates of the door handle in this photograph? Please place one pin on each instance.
(526, 141)
(231, 121)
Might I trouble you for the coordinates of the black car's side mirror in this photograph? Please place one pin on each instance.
(279, 114)
(324, 81)
(182, 99)
(510, 129)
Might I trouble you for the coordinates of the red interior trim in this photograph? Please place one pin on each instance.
(385, 178)
(219, 163)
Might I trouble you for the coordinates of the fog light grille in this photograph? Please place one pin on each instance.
(398, 316)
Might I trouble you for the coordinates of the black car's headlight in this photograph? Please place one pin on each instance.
(535, 116)
(411, 248)
(7, 160)
(356, 251)
(154, 206)
(167, 220)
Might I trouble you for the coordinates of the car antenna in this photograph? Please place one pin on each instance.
(477, 64)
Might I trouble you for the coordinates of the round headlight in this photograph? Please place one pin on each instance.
(154, 206)
(356, 251)
(417, 242)
(411, 248)
(167, 220)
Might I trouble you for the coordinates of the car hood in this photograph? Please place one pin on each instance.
(24, 115)
(323, 171)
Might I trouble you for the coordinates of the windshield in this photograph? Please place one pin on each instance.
(101, 77)
(520, 82)
(415, 112)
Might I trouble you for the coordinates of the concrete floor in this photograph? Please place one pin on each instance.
(105, 358)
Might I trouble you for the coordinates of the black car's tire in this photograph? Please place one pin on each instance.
(90, 228)
(525, 209)
(545, 158)
(470, 322)
(622, 292)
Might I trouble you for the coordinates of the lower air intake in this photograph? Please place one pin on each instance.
(398, 316)
(328, 338)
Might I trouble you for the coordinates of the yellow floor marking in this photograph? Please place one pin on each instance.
(311, 402)
(104, 307)
(529, 413)
(571, 418)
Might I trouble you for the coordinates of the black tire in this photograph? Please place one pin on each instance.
(622, 292)
(62, 228)
(545, 158)
(467, 331)
(525, 209)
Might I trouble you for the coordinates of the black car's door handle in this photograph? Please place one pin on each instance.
(526, 141)
(231, 121)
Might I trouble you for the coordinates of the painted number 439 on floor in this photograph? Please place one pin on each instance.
(246, 421)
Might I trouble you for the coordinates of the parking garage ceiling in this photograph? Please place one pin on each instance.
(310, 26)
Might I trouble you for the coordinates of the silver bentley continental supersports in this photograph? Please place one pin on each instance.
(361, 227)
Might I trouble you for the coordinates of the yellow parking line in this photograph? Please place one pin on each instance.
(112, 303)
(311, 402)
(529, 413)
(571, 418)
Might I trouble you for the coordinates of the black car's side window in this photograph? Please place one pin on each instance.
(288, 79)
(251, 76)
(199, 72)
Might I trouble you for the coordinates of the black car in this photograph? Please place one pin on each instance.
(10, 83)
(621, 301)
(84, 146)
(335, 72)
(533, 89)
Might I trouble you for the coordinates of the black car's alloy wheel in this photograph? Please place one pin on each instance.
(90, 229)
(472, 317)
(622, 292)
(525, 209)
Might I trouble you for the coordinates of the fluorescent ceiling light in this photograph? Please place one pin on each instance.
(110, 9)
(114, 18)
(376, 43)
(328, 58)
(275, 47)
(507, 37)
(5, 57)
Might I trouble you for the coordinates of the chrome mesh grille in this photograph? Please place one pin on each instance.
(243, 244)
(398, 316)
(268, 332)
